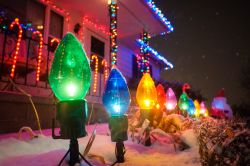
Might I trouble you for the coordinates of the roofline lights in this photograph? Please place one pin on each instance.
(156, 54)
(160, 15)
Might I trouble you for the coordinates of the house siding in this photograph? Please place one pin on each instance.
(155, 71)
(125, 61)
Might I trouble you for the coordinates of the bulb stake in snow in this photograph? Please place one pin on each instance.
(146, 97)
(116, 100)
(70, 78)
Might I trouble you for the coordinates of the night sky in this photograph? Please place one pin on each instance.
(209, 45)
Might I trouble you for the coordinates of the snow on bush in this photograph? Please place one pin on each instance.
(223, 142)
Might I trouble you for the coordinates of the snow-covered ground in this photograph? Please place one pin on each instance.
(45, 151)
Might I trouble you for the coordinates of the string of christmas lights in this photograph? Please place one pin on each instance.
(160, 15)
(40, 50)
(19, 38)
(144, 54)
(28, 27)
(105, 66)
(139, 61)
(94, 57)
(100, 27)
(113, 31)
(156, 54)
(59, 10)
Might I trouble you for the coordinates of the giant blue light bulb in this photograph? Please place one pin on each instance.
(116, 96)
(191, 107)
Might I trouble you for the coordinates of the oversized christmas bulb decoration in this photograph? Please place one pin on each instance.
(161, 97)
(197, 108)
(183, 102)
(70, 74)
(191, 107)
(203, 109)
(171, 100)
(116, 100)
(116, 96)
(70, 78)
(146, 95)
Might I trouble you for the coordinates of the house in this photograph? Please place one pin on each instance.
(89, 20)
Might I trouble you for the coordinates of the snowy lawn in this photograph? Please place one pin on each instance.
(45, 151)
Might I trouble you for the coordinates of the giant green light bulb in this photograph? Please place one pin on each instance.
(183, 102)
(70, 74)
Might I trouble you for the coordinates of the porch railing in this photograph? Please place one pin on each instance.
(25, 72)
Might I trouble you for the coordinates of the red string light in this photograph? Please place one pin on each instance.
(39, 53)
(19, 38)
(100, 27)
(94, 57)
(105, 66)
(59, 10)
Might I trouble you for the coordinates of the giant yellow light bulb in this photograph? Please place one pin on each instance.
(197, 108)
(146, 95)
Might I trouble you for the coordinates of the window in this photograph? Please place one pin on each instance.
(28, 11)
(14, 8)
(97, 48)
(56, 25)
(36, 15)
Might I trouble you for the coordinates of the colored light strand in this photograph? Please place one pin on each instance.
(159, 14)
(156, 54)
(40, 50)
(139, 61)
(28, 27)
(19, 38)
(94, 57)
(144, 54)
(113, 32)
(100, 27)
(105, 66)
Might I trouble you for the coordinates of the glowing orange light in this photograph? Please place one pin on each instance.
(16, 22)
(146, 94)
(94, 57)
(54, 40)
(40, 50)
(105, 65)
(157, 106)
